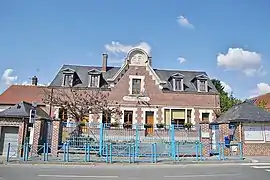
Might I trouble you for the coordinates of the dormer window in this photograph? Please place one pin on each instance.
(177, 82)
(67, 82)
(202, 84)
(94, 78)
(68, 77)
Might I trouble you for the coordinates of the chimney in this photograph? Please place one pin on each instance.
(34, 80)
(104, 62)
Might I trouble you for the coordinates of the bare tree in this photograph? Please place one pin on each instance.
(80, 103)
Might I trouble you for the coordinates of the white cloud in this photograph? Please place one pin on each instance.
(181, 60)
(227, 88)
(262, 88)
(8, 78)
(248, 62)
(117, 51)
(183, 21)
(117, 47)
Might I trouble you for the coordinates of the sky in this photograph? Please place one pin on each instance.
(229, 40)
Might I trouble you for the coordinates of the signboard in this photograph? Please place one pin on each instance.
(254, 133)
(267, 133)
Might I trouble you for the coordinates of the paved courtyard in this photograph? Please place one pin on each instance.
(135, 172)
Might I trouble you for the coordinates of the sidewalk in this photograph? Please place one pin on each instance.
(259, 159)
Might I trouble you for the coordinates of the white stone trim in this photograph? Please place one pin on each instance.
(155, 110)
(154, 76)
(210, 111)
(192, 118)
(131, 77)
(118, 73)
(134, 116)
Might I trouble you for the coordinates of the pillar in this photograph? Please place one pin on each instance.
(205, 139)
(55, 137)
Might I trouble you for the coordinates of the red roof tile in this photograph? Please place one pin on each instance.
(264, 97)
(17, 93)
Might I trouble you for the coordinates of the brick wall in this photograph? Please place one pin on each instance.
(55, 136)
(157, 97)
(205, 130)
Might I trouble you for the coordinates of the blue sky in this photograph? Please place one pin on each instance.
(230, 39)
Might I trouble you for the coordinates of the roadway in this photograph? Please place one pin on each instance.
(136, 172)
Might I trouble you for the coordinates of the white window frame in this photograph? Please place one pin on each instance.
(199, 83)
(64, 77)
(90, 77)
(131, 77)
(181, 84)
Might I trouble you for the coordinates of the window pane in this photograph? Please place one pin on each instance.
(94, 81)
(202, 85)
(67, 79)
(178, 84)
(136, 86)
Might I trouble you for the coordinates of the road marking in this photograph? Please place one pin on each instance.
(76, 176)
(202, 175)
(261, 167)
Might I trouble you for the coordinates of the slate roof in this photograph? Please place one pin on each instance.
(244, 112)
(164, 75)
(22, 109)
(17, 93)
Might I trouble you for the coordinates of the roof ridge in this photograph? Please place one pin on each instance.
(180, 70)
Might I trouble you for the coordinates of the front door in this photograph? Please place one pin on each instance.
(149, 122)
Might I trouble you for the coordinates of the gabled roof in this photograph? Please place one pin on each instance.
(244, 112)
(22, 110)
(17, 93)
(164, 75)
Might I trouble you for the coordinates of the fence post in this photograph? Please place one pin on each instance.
(47, 151)
(129, 153)
(88, 152)
(68, 152)
(201, 149)
(155, 148)
(152, 152)
(85, 152)
(197, 151)
(107, 154)
(219, 151)
(44, 152)
(173, 142)
(100, 139)
(137, 141)
(241, 150)
(8, 152)
(64, 156)
(111, 153)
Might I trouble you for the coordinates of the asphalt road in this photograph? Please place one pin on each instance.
(133, 172)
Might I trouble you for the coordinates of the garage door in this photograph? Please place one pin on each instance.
(10, 135)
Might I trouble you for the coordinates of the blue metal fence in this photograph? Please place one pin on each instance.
(130, 144)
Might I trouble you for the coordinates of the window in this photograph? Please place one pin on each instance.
(106, 117)
(94, 80)
(63, 115)
(136, 86)
(202, 85)
(128, 117)
(178, 84)
(205, 117)
(67, 80)
(178, 117)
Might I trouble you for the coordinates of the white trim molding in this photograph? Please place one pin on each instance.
(131, 77)
(144, 110)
